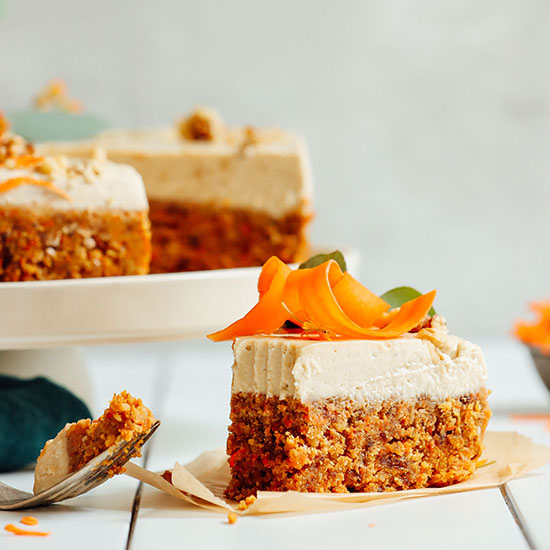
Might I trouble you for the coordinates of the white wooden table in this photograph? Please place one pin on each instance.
(188, 387)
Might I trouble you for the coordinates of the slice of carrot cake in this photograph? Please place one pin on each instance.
(79, 442)
(63, 218)
(219, 197)
(358, 398)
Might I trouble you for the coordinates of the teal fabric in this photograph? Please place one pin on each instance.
(55, 125)
(31, 412)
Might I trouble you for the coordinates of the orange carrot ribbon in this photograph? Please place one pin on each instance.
(12, 183)
(17, 531)
(326, 300)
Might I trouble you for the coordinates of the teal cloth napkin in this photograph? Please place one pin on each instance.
(31, 412)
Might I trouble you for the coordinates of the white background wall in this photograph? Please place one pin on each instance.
(428, 121)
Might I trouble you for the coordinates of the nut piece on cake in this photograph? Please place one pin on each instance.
(358, 398)
(219, 197)
(67, 218)
(79, 442)
(203, 124)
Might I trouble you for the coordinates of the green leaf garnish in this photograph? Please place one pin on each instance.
(396, 297)
(319, 259)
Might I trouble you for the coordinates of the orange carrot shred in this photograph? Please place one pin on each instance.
(28, 520)
(27, 160)
(24, 180)
(268, 314)
(409, 316)
(17, 531)
(361, 305)
(269, 270)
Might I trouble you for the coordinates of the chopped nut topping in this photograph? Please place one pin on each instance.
(12, 147)
(55, 96)
(203, 124)
(251, 136)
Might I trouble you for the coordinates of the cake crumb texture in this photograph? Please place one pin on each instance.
(339, 445)
(191, 237)
(67, 244)
(125, 418)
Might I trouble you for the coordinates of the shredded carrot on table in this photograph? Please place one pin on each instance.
(12, 183)
(28, 520)
(326, 301)
(17, 531)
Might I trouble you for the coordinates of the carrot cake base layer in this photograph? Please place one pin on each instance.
(191, 237)
(72, 244)
(338, 445)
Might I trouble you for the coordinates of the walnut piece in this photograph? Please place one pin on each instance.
(203, 124)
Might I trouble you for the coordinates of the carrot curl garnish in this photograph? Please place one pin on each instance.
(269, 313)
(325, 303)
(17, 531)
(12, 183)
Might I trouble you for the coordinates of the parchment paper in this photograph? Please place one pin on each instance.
(507, 455)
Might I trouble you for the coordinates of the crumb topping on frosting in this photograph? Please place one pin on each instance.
(17, 153)
(204, 124)
(27, 177)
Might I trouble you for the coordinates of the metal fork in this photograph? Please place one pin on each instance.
(82, 481)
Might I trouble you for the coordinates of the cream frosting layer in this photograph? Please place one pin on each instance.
(272, 175)
(90, 184)
(52, 465)
(431, 363)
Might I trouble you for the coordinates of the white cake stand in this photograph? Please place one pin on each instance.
(59, 315)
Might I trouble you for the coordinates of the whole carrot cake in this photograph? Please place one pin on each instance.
(65, 218)
(79, 442)
(341, 403)
(219, 197)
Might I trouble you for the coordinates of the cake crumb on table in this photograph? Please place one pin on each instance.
(245, 503)
(231, 518)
